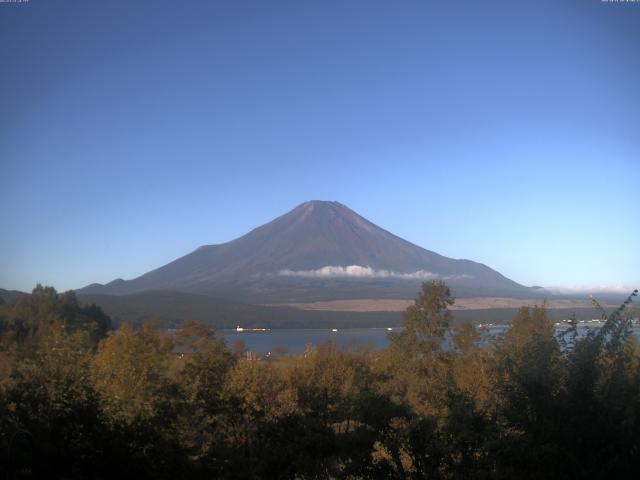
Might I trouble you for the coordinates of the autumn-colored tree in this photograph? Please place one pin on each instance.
(52, 421)
(200, 368)
(416, 373)
(601, 417)
(129, 373)
(426, 320)
(258, 397)
(338, 388)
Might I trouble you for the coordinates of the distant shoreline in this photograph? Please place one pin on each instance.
(399, 305)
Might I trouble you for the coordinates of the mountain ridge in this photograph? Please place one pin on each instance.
(319, 250)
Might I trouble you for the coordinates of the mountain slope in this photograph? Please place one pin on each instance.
(319, 250)
(7, 296)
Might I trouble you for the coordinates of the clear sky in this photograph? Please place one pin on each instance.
(506, 132)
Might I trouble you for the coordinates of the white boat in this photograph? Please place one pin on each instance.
(239, 329)
(334, 329)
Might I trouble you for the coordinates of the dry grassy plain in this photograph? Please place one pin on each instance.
(392, 305)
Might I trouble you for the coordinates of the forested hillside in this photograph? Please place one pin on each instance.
(81, 400)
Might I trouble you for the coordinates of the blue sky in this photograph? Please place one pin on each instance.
(504, 132)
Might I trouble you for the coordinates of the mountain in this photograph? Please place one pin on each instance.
(318, 251)
(7, 296)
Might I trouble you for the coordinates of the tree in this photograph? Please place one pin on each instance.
(415, 366)
(30, 318)
(140, 399)
(52, 418)
(427, 319)
(129, 373)
(417, 374)
(258, 399)
(201, 371)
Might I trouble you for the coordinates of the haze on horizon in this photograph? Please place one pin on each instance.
(504, 133)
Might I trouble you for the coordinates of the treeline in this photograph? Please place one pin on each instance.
(80, 400)
(169, 308)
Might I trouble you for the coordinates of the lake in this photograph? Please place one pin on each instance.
(294, 340)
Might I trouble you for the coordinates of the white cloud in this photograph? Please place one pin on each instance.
(587, 289)
(358, 271)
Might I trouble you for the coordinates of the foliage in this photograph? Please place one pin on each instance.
(79, 400)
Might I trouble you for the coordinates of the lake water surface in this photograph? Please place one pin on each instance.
(295, 340)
